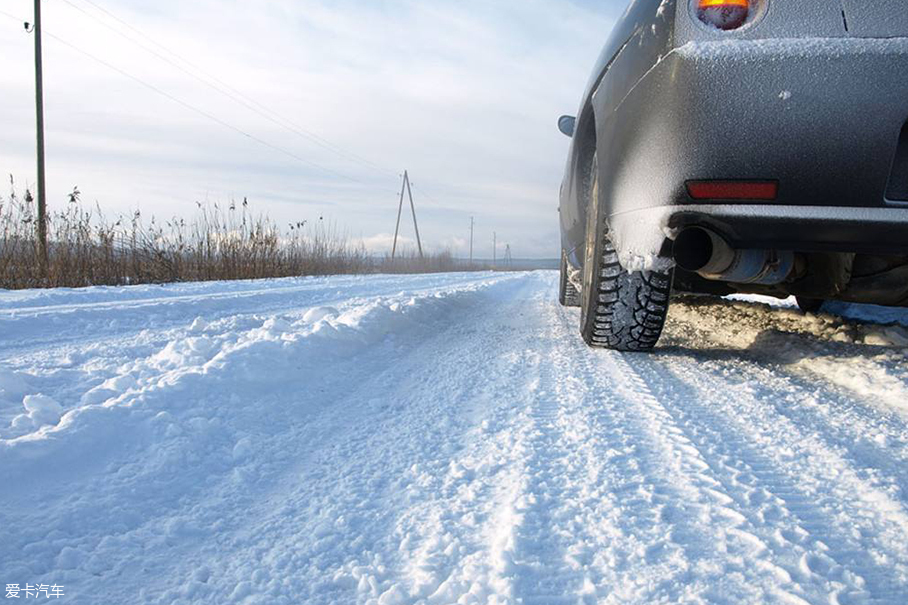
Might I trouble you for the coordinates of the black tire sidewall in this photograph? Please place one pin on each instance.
(591, 255)
(562, 283)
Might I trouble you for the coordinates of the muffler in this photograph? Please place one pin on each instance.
(702, 251)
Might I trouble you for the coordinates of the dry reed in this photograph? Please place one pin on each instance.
(222, 242)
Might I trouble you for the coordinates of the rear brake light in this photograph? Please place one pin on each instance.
(733, 190)
(723, 14)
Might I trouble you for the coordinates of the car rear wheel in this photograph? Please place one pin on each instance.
(620, 309)
(568, 295)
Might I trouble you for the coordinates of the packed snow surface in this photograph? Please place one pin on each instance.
(446, 439)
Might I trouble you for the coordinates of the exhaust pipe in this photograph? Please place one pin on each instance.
(704, 252)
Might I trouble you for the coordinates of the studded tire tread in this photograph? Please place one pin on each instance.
(620, 309)
(568, 295)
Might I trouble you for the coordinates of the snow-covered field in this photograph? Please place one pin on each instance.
(446, 439)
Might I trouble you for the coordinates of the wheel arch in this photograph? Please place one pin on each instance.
(584, 149)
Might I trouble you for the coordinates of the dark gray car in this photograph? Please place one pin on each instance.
(727, 146)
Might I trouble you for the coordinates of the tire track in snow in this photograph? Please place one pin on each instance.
(462, 541)
(534, 541)
(643, 532)
(519, 488)
(870, 440)
(588, 524)
(696, 547)
(871, 437)
(546, 567)
(830, 513)
(757, 530)
(659, 511)
(459, 533)
(874, 443)
(578, 515)
(612, 529)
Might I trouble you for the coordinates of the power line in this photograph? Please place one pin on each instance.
(201, 112)
(422, 191)
(226, 89)
(13, 17)
(193, 108)
(234, 94)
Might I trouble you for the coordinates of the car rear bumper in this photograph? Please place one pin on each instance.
(820, 116)
(800, 228)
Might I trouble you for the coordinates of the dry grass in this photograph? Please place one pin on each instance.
(220, 243)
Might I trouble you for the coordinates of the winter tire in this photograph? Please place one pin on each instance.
(568, 295)
(620, 309)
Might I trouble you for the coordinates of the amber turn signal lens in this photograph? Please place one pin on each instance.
(723, 14)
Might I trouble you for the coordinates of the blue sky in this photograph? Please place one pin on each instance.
(462, 93)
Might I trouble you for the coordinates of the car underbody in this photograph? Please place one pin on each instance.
(858, 278)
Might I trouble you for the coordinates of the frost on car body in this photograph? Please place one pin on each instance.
(748, 151)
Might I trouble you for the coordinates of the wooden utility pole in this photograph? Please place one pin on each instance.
(405, 187)
(471, 241)
(39, 110)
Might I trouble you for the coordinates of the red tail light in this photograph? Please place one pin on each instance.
(723, 14)
(733, 190)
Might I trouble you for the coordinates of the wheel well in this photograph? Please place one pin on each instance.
(586, 149)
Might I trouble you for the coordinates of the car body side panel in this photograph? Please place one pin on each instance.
(640, 15)
(645, 31)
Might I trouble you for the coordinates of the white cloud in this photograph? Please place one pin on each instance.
(381, 243)
(464, 94)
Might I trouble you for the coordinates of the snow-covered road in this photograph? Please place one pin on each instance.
(445, 439)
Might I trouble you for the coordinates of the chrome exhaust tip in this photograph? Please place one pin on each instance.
(706, 253)
(699, 250)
